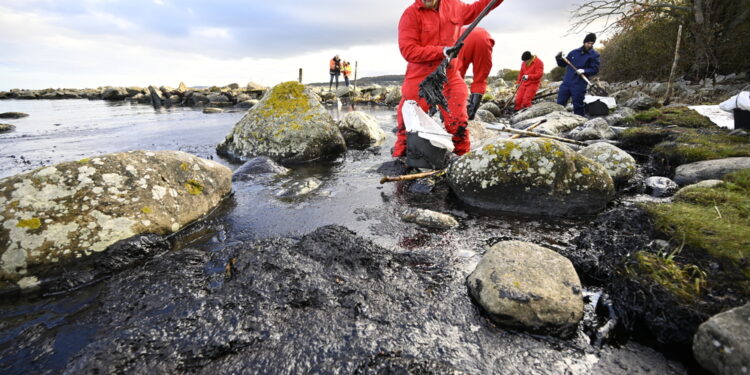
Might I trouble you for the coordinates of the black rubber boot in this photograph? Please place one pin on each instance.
(475, 100)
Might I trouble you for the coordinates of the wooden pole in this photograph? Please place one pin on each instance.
(530, 128)
(300, 75)
(532, 134)
(409, 177)
(355, 78)
(668, 95)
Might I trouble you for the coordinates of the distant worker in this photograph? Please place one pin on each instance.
(346, 70)
(427, 32)
(529, 78)
(477, 52)
(586, 62)
(334, 67)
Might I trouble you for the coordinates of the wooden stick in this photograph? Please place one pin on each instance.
(511, 98)
(532, 134)
(530, 128)
(668, 95)
(409, 177)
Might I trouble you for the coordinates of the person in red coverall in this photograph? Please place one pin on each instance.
(427, 31)
(477, 52)
(530, 76)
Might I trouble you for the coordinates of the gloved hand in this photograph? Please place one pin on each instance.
(452, 52)
(580, 71)
(525, 77)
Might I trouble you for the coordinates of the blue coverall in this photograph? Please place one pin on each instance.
(573, 85)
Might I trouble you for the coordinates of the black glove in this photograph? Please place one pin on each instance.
(452, 52)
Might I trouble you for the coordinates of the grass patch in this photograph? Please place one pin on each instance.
(714, 221)
(691, 146)
(685, 281)
(680, 116)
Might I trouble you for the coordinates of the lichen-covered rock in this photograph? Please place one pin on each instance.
(640, 101)
(623, 116)
(429, 219)
(492, 108)
(536, 110)
(521, 284)
(722, 343)
(288, 125)
(533, 176)
(709, 169)
(596, 128)
(361, 130)
(485, 116)
(619, 164)
(557, 123)
(75, 209)
(6, 128)
(657, 186)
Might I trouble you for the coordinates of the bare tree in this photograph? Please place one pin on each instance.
(707, 19)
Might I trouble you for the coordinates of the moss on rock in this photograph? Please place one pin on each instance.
(712, 221)
(680, 116)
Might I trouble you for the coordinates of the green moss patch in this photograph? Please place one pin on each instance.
(680, 116)
(712, 221)
(194, 187)
(685, 281)
(33, 223)
(286, 98)
(677, 146)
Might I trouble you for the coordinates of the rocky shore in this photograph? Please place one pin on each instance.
(662, 193)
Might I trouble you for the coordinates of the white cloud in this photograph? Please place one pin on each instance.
(211, 32)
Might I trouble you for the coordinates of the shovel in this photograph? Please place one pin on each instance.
(431, 89)
(595, 88)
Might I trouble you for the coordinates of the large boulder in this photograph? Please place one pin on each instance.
(479, 134)
(485, 116)
(492, 108)
(521, 284)
(623, 116)
(361, 130)
(157, 99)
(532, 176)
(258, 167)
(289, 124)
(722, 343)
(557, 123)
(596, 128)
(687, 174)
(618, 163)
(536, 110)
(69, 211)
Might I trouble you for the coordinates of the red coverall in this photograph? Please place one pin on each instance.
(527, 91)
(422, 35)
(477, 51)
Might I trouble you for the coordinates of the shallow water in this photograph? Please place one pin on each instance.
(350, 196)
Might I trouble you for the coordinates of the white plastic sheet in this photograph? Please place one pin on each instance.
(416, 121)
(608, 100)
(741, 101)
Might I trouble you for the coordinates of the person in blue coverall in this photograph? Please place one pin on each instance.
(586, 61)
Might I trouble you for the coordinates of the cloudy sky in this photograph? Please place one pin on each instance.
(90, 43)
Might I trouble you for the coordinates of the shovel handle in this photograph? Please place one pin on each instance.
(475, 23)
(576, 70)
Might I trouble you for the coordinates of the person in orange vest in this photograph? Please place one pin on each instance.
(346, 70)
(529, 78)
(334, 67)
(477, 52)
(427, 32)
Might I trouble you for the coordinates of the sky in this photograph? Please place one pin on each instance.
(92, 43)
